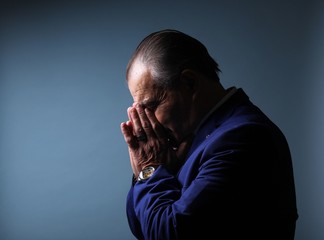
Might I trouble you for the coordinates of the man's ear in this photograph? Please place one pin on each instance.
(189, 78)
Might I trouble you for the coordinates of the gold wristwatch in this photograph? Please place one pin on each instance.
(146, 173)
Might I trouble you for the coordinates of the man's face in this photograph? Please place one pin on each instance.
(172, 108)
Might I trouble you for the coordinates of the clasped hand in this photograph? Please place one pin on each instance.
(148, 141)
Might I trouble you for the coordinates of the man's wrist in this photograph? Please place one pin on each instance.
(146, 173)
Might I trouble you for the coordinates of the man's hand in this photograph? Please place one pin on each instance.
(148, 143)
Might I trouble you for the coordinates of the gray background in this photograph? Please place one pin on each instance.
(64, 168)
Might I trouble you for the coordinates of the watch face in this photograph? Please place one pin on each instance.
(146, 173)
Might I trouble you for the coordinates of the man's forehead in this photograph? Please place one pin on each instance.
(137, 69)
(141, 84)
(145, 93)
(138, 78)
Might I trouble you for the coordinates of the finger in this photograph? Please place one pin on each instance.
(156, 126)
(128, 114)
(138, 130)
(184, 147)
(129, 109)
(127, 131)
(145, 122)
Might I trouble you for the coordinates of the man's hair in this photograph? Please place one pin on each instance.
(168, 52)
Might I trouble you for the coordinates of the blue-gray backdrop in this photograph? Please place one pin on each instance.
(64, 168)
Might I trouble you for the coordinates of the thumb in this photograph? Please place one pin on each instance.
(184, 148)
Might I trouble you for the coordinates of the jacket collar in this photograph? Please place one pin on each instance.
(219, 114)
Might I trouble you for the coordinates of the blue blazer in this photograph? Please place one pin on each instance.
(237, 183)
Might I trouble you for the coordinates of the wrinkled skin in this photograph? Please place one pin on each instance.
(168, 118)
(157, 149)
(163, 117)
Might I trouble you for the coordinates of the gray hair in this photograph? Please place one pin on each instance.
(168, 52)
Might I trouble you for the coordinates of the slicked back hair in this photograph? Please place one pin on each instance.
(168, 52)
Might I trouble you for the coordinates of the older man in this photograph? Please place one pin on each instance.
(207, 163)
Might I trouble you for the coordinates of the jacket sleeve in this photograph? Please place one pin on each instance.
(149, 206)
(221, 171)
(163, 208)
(133, 222)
